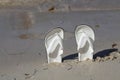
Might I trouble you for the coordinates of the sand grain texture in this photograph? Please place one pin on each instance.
(23, 54)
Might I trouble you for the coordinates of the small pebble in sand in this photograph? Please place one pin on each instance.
(98, 59)
(51, 9)
(26, 74)
(114, 45)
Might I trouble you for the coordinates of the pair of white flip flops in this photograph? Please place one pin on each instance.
(84, 38)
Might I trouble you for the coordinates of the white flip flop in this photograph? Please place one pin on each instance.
(84, 38)
(54, 45)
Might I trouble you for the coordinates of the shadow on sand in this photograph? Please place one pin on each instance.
(102, 53)
(70, 57)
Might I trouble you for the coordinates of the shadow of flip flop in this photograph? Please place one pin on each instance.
(104, 53)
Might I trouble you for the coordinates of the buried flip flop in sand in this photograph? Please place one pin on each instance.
(84, 38)
(54, 45)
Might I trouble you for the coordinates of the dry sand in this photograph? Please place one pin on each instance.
(23, 54)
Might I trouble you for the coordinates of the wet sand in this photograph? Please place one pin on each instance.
(62, 5)
(23, 54)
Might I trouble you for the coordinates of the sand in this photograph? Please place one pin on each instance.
(62, 5)
(23, 54)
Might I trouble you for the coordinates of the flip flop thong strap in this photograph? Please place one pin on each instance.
(53, 44)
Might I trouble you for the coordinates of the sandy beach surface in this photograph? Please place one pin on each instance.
(23, 54)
